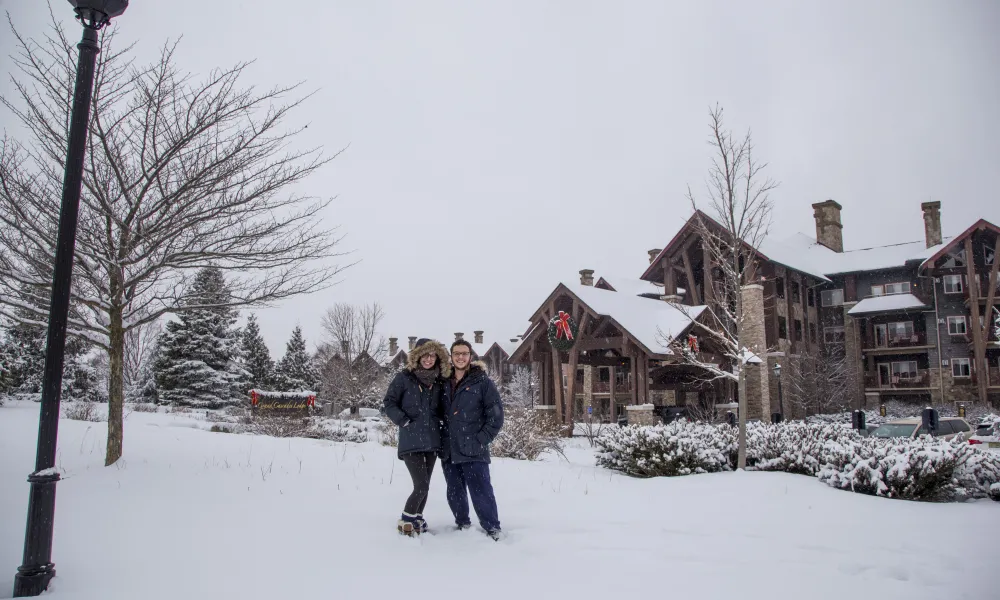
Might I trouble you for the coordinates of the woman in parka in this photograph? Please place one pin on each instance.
(415, 403)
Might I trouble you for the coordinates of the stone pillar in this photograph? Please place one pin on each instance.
(587, 277)
(393, 346)
(641, 414)
(852, 353)
(753, 337)
(547, 412)
(588, 390)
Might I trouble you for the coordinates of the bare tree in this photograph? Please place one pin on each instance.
(140, 344)
(351, 357)
(179, 174)
(740, 217)
(817, 384)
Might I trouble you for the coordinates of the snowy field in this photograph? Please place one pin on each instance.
(193, 514)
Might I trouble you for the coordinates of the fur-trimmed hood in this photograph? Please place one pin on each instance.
(444, 360)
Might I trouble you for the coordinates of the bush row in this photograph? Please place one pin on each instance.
(920, 469)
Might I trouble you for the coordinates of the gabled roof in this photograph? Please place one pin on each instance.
(642, 319)
(632, 287)
(940, 251)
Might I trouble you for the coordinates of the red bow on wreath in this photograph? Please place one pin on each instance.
(693, 343)
(562, 327)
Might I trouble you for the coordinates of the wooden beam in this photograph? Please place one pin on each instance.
(601, 343)
(669, 278)
(978, 343)
(706, 273)
(689, 272)
(633, 364)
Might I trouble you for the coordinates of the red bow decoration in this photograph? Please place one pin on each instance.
(562, 326)
(693, 343)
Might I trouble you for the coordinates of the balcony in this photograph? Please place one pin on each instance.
(921, 379)
(994, 377)
(983, 282)
(891, 342)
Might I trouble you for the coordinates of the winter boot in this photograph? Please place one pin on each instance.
(420, 525)
(495, 534)
(463, 526)
(408, 525)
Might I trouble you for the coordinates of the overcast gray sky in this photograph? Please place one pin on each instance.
(498, 147)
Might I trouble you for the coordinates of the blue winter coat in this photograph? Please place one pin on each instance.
(474, 416)
(418, 411)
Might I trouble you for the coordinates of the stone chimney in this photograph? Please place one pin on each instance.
(413, 341)
(653, 254)
(587, 277)
(829, 230)
(393, 347)
(515, 340)
(479, 336)
(459, 336)
(932, 223)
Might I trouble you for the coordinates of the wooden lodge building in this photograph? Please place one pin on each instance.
(902, 317)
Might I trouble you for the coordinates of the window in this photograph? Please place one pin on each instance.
(890, 289)
(832, 297)
(779, 287)
(955, 260)
(604, 375)
(812, 332)
(798, 330)
(833, 335)
(782, 328)
(957, 326)
(900, 330)
(906, 369)
(579, 375)
(953, 284)
(812, 297)
(959, 426)
(961, 367)
(796, 292)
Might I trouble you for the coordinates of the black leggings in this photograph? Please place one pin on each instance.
(421, 466)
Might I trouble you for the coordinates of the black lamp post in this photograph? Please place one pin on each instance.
(37, 570)
(781, 403)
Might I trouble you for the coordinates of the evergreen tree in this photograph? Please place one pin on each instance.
(256, 357)
(198, 363)
(296, 372)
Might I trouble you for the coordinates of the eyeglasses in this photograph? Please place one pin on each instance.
(460, 354)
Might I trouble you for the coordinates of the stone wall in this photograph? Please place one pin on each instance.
(641, 414)
(852, 351)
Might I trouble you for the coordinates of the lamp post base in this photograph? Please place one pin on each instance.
(33, 581)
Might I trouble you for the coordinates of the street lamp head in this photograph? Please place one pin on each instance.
(95, 14)
(777, 370)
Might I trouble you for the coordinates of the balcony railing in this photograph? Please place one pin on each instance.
(983, 281)
(603, 387)
(917, 338)
(920, 379)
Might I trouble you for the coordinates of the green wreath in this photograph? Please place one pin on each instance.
(563, 330)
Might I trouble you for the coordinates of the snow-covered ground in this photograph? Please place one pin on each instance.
(193, 514)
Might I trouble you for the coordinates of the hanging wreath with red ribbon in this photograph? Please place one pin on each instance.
(563, 331)
(692, 344)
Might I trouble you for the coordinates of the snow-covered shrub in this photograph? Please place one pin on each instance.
(795, 447)
(342, 431)
(525, 435)
(83, 411)
(977, 472)
(388, 433)
(143, 407)
(678, 448)
(995, 492)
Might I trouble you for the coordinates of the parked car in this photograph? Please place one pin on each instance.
(948, 428)
(987, 436)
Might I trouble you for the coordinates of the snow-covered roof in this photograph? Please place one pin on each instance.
(643, 318)
(633, 287)
(893, 302)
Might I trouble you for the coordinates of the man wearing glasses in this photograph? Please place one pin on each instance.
(474, 418)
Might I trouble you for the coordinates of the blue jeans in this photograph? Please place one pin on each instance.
(471, 479)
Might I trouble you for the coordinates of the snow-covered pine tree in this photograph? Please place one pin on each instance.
(296, 371)
(256, 357)
(198, 363)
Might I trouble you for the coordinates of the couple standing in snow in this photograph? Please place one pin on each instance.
(447, 407)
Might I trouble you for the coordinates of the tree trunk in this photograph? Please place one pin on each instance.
(116, 391)
(741, 455)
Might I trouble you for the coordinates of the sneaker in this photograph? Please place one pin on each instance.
(496, 534)
(463, 526)
(406, 528)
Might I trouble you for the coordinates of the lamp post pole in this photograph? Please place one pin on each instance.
(37, 569)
